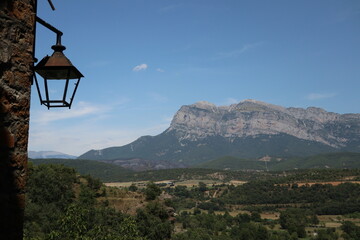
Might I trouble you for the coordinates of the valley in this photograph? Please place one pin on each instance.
(247, 171)
(298, 204)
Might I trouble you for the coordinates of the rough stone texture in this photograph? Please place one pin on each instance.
(251, 118)
(17, 18)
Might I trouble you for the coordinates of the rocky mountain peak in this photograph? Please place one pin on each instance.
(252, 118)
(204, 105)
(250, 105)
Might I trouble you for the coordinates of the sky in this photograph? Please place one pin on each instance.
(143, 59)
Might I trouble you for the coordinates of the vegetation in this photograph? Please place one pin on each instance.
(104, 171)
(242, 169)
(61, 204)
(340, 160)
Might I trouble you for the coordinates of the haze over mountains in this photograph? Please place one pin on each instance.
(49, 154)
(250, 129)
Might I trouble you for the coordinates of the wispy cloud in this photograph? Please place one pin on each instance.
(319, 96)
(160, 70)
(140, 67)
(83, 136)
(237, 52)
(79, 110)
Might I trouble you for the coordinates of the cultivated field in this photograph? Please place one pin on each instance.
(187, 183)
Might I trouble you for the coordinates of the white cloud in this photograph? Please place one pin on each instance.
(140, 67)
(160, 70)
(318, 96)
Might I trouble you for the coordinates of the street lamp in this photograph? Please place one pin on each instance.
(56, 68)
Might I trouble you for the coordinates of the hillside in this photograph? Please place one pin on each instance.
(233, 163)
(343, 160)
(104, 171)
(250, 129)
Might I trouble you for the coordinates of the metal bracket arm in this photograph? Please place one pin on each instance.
(52, 28)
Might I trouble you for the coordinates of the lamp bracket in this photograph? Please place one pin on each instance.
(52, 28)
(51, 5)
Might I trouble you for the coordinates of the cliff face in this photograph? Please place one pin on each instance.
(252, 118)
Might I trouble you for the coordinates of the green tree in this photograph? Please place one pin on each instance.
(152, 191)
(294, 220)
(351, 231)
(49, 192)
(82, 222)
(133, 188)
(153, 222)
(202, 187)
(327, 234)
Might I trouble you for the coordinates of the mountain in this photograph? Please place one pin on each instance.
(249, 129)
(49, 154)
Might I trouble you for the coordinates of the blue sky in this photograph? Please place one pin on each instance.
(144, 59)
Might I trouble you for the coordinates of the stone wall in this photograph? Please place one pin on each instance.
(16, 60)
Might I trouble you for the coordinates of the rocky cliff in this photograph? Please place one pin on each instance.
(252, 118)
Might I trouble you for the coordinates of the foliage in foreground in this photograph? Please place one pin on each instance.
(62, 206)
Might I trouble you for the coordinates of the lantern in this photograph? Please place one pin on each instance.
(57, 67)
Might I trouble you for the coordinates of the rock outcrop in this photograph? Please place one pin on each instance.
(252, 118)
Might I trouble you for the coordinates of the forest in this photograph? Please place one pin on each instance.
(62, 204)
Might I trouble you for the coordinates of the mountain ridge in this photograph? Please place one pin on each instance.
(49, 154)
(203, 131)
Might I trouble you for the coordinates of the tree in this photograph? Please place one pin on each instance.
(327, 234)
(294, 220)
(351, 231)
(202, 187)
(82, 222)
(49, 192)
(152, 191)
(133, 188)
(152, 221)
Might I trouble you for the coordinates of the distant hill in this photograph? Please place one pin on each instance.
(345, 160)
(330, 160)
(224, 168)
(49, 154)
(233, 163)
(104, 171)
(250, 129)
